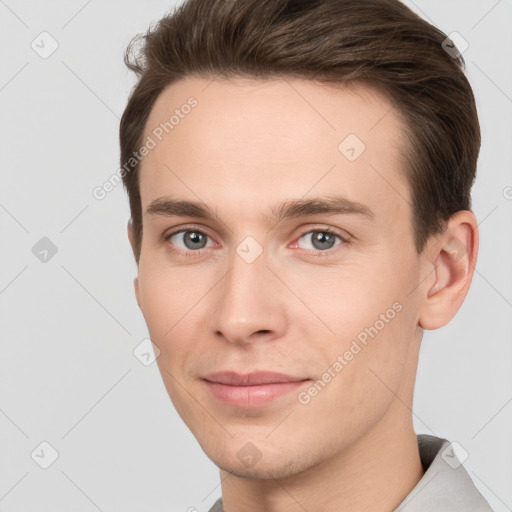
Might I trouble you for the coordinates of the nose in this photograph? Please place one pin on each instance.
(251, 303)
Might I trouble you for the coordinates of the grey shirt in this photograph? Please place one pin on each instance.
(445, 486)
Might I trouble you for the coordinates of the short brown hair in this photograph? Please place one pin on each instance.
(379, 42)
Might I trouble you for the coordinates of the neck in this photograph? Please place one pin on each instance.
(375, 473)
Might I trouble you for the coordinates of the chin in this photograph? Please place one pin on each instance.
(264, 465)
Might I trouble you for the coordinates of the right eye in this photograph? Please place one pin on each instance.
(191, 240)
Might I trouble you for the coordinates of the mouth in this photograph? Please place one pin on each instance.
(251, 390)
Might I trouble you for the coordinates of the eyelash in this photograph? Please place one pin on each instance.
(319, 254)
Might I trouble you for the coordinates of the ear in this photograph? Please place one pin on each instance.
(453, 257)
(131, 238)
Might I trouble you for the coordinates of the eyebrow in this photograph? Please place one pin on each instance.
(293, 208)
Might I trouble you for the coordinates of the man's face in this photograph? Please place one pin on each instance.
(243, 292)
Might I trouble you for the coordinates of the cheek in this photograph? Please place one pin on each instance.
(161, 311)
(173, 304)
(343, 301)
(365, 319)
(166, 295)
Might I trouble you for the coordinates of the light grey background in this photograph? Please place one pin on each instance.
(70, 324)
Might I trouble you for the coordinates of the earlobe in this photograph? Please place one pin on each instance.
(454, 259)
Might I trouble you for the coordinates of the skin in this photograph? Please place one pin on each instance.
(245, 148)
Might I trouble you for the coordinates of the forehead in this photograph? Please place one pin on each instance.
(255, 143)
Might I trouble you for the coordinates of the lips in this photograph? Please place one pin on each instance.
(251, 379)
(250, 390)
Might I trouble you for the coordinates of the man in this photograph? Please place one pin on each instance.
(299, 178)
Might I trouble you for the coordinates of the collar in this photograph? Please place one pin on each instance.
(446, 485)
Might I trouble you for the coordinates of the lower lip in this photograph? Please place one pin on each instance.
(248, 397)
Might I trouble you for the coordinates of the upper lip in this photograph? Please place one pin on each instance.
(251, 379)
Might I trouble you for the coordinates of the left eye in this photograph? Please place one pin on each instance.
(321, 240)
